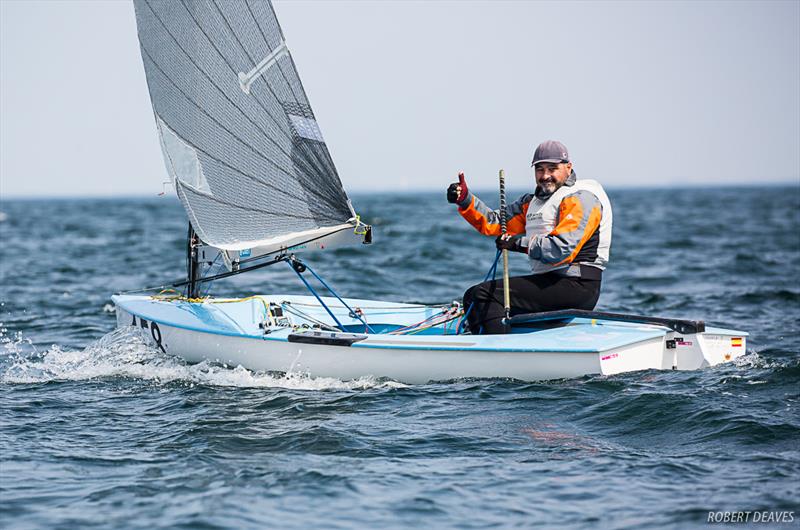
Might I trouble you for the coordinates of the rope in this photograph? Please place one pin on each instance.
(404, 329)
(287, 306)
(163, 295)
(168, 294)
(492, 272)
(389, 310)
(358, 230)
(430, 321)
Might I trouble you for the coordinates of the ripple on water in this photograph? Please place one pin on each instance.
(100, 430)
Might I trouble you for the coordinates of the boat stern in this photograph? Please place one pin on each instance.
(712, 347)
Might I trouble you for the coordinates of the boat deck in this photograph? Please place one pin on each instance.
(242, 318)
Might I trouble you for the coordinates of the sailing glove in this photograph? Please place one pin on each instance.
(517, 243)
(458, 192)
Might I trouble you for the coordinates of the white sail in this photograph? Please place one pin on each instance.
(240, 141)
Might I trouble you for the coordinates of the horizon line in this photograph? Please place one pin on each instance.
(614, 187)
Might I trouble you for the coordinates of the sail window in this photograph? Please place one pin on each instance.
(181, 160)
(306, 128)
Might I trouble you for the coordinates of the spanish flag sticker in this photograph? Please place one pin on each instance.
(736, 342)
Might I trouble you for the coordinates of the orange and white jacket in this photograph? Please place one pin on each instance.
(571, 226)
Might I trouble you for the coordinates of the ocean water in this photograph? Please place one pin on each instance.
(98, 430)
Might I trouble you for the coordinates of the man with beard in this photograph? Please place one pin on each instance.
(564, 228)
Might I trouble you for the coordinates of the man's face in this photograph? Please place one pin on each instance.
(550, 176)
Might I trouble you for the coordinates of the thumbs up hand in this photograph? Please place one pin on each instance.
(457, 192)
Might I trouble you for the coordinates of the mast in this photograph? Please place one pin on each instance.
(192, 265)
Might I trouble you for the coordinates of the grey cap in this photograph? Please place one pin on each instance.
(550, 151)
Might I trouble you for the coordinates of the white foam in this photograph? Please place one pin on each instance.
(751, 359)
(123, 353)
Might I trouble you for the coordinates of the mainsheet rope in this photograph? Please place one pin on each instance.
(493, 274)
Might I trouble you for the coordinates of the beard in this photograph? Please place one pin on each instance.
(547, 187)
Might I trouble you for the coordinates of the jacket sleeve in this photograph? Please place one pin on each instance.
(487, 221)
(579, 217)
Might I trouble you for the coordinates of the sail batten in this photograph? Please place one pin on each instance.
(248, 165)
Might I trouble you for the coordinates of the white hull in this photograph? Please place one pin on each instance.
(423, 358)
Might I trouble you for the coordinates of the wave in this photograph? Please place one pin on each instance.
(123, 354)
(760, 296)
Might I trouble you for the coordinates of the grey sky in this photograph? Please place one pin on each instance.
(408, 93)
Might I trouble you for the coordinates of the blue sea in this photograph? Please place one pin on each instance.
(99, 430)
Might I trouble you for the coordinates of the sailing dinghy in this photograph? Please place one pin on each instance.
(252, 170)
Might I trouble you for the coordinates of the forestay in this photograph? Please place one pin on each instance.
(239, 138)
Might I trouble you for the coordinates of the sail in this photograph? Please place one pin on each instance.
(239, 138)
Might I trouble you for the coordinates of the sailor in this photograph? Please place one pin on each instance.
(564, 228)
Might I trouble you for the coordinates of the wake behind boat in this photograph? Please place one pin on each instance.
(253, 172)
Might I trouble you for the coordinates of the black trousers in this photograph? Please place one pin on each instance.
(529, 294)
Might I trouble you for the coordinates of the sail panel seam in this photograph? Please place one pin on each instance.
(294, 95)
(335, 195)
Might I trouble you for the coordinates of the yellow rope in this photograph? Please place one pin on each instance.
(180, 298)
(359, 224)
(254, 297)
